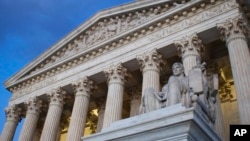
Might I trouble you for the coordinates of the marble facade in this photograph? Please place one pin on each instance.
(96, 76)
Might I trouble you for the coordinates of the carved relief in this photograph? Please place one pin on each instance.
(205, 15)
(32, 87)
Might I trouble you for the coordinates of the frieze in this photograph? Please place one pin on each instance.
(205, 15)
(152, 35)
(31, 88)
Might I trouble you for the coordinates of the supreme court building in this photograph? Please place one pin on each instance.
(89, 85)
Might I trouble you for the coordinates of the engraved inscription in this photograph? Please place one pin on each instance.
(33, 87)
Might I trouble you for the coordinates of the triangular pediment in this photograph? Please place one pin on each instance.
(104, 30)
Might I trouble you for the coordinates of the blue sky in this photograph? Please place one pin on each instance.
(30, 27)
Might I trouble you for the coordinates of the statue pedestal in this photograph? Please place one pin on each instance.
(173, 123)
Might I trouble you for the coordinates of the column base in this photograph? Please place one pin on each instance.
(172, 123)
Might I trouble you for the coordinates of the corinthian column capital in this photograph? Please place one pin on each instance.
(13, 113)
(150, 59)
(116, 73)
(34, 105)
(232, 27)
(57, 96)
(84, 86)
(189, 45)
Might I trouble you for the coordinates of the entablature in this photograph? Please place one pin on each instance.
(162, 26)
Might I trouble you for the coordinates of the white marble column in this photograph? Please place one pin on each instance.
(33, 110)
(101, 110)
(37, 135)
(83, 88)
(150, 65)
(211, 75)
(219, 121)
(190, 49)
(64, 123)
(58, 135)
(13, 116)
(116, 77)
(233, 32)
(52, 122)
(135, 100)
(225, 98)
(39, 126)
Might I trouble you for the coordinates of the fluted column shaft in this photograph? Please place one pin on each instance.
(135, 97)
(219, 122)
(29, 127)
(190, 49)
(225, 93)
(135, 105)
(9, 130)
(151, 79)
(83, 87)
(78, 118)
(101, 111)
(37, 135)
(228, 113)
(240, 62)
(189, 62)
(53, 117)
(116, 76)
(150, 64)
(114, 104)
(13, 115)
(234, 32)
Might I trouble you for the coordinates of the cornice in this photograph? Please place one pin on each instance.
(157, 23)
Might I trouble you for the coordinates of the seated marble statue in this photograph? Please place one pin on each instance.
(199, 86)
(176, 87)
(172, 93)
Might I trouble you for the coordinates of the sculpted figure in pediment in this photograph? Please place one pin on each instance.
(99, 33)
(152, 13)
(130, 22)
(70, 50)
(81, 42)
(89, 37)
(111, 28)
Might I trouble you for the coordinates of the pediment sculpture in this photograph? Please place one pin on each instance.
(198, 87)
